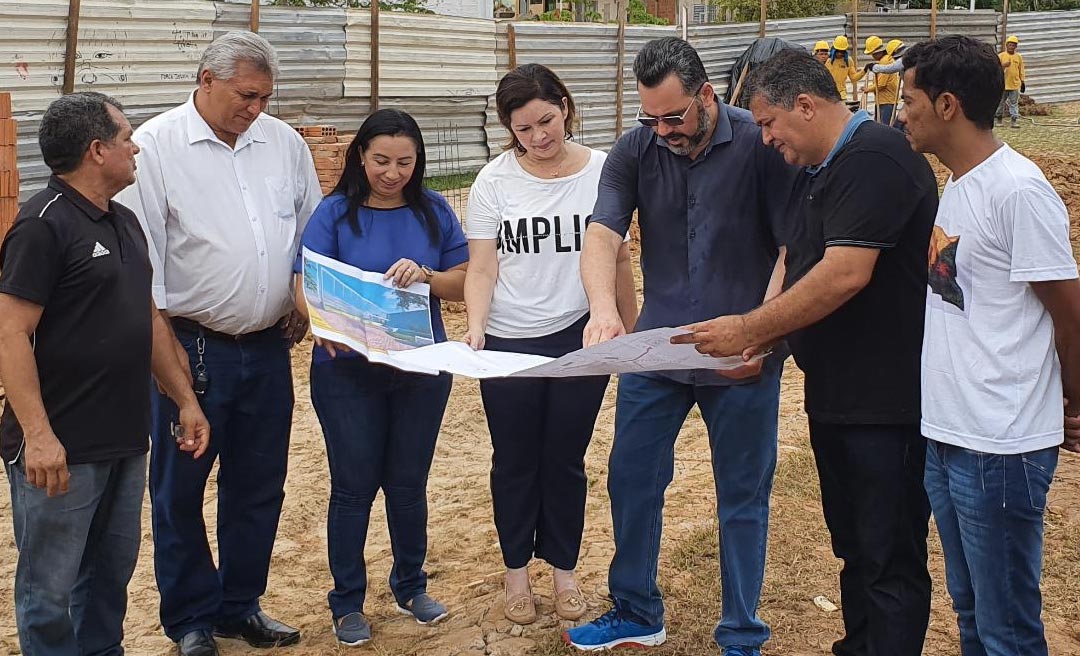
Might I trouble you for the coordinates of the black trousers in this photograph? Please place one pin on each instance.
(540, 429)
(878, 515)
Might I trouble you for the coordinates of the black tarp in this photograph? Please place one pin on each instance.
(759, 51)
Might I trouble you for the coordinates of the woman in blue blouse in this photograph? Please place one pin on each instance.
(380, 424)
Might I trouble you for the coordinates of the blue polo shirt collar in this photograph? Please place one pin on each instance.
(857, 119)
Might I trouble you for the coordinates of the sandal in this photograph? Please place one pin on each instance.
(570, 604)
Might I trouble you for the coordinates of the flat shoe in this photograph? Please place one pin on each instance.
(521, 609)
(569, 604)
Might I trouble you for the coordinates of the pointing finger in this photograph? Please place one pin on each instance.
(688, 338)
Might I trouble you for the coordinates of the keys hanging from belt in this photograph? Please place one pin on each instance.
(201, 380)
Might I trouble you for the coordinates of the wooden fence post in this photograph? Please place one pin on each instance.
(374, 100)
(1004, 23)
(619, 61)
(72, 46)
(254, 16)
(853, 47)
(511, 44)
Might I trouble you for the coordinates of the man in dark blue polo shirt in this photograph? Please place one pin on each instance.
(852, 310)
(79, 337)
(710, 199)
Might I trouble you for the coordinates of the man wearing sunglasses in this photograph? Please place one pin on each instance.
(711, 202)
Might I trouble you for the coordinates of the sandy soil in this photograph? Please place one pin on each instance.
(465, 565)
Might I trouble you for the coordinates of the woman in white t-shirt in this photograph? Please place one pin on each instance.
(526, 223)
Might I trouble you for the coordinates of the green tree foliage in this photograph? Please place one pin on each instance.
(638, 14)
(558, 15)
(408, 6)
(750, 10)
(575, 10)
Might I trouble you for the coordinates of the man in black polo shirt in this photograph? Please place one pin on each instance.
(853, 310)
(79, 336)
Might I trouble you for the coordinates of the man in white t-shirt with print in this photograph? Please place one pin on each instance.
(1000, 351)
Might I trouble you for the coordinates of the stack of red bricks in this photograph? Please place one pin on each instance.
(328, 151)
(9, 170)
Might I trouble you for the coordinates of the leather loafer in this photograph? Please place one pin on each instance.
(259, 630)
(197, 643)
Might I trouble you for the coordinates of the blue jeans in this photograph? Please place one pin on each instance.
(742, 423)
(885, 112)
(1010, 101)
(249, 406)
(76, 556)
(380, 425)
(989, 510)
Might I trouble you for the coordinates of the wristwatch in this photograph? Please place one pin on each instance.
(428, 272)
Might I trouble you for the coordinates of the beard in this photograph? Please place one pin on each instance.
(695, 139)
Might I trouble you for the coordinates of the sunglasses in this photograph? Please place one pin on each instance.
(673, 120)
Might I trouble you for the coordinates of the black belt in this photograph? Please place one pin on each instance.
(180, 323)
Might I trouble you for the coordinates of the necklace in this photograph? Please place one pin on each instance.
(558, 169)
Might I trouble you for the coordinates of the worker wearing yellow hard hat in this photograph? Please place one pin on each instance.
(1015, 84)
(873, 45)
(886, 86)
(841, 65)
(821, 51)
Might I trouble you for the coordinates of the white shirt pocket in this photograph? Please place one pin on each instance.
(281, 197)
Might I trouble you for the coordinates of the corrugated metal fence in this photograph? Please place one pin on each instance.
(443, 70)
(720, 45)
(1050, 42)
(144, 53)
(914, 25)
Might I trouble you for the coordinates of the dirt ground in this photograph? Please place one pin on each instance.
(464, 562)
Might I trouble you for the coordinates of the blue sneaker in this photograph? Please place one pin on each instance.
(612, 630)
(352, 630)
(424, 608)
(742, 650)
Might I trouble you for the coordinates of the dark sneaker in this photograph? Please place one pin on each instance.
(352, 630)
(742, 650)
(612, 630)
(425, 609)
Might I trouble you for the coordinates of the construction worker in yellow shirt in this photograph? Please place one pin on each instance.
(841, 65)
(1015, 76)
(821, 51)
(885, 87)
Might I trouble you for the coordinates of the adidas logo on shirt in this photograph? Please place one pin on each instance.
(99, 250)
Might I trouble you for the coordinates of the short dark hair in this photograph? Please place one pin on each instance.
(660, 58)
(965, 67)
(525, 84)
(70, 124)
(788, 74)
